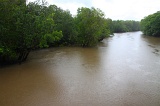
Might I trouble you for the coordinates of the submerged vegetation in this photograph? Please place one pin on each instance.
(25, 27)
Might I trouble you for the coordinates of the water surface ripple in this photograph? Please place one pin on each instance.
(123, 70)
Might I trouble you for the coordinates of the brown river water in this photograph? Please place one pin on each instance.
(123, 70)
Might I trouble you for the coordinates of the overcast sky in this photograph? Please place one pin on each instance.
(114, 9)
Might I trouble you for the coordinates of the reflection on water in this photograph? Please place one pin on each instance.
(123, 70)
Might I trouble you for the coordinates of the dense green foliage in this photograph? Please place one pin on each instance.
(125, 26)
(91, 26)
(64, 22)
(150, 25)
(24, 27)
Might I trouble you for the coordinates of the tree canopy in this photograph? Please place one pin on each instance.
(91, 26)
(125, 26)
(23, 28)
(150, 25)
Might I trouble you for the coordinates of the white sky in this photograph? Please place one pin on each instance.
(114, 9)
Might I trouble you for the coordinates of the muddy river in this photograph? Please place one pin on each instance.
(123, 70)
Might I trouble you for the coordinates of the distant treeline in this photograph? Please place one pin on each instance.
(24, 27)
(150, 25)
(125, 26)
